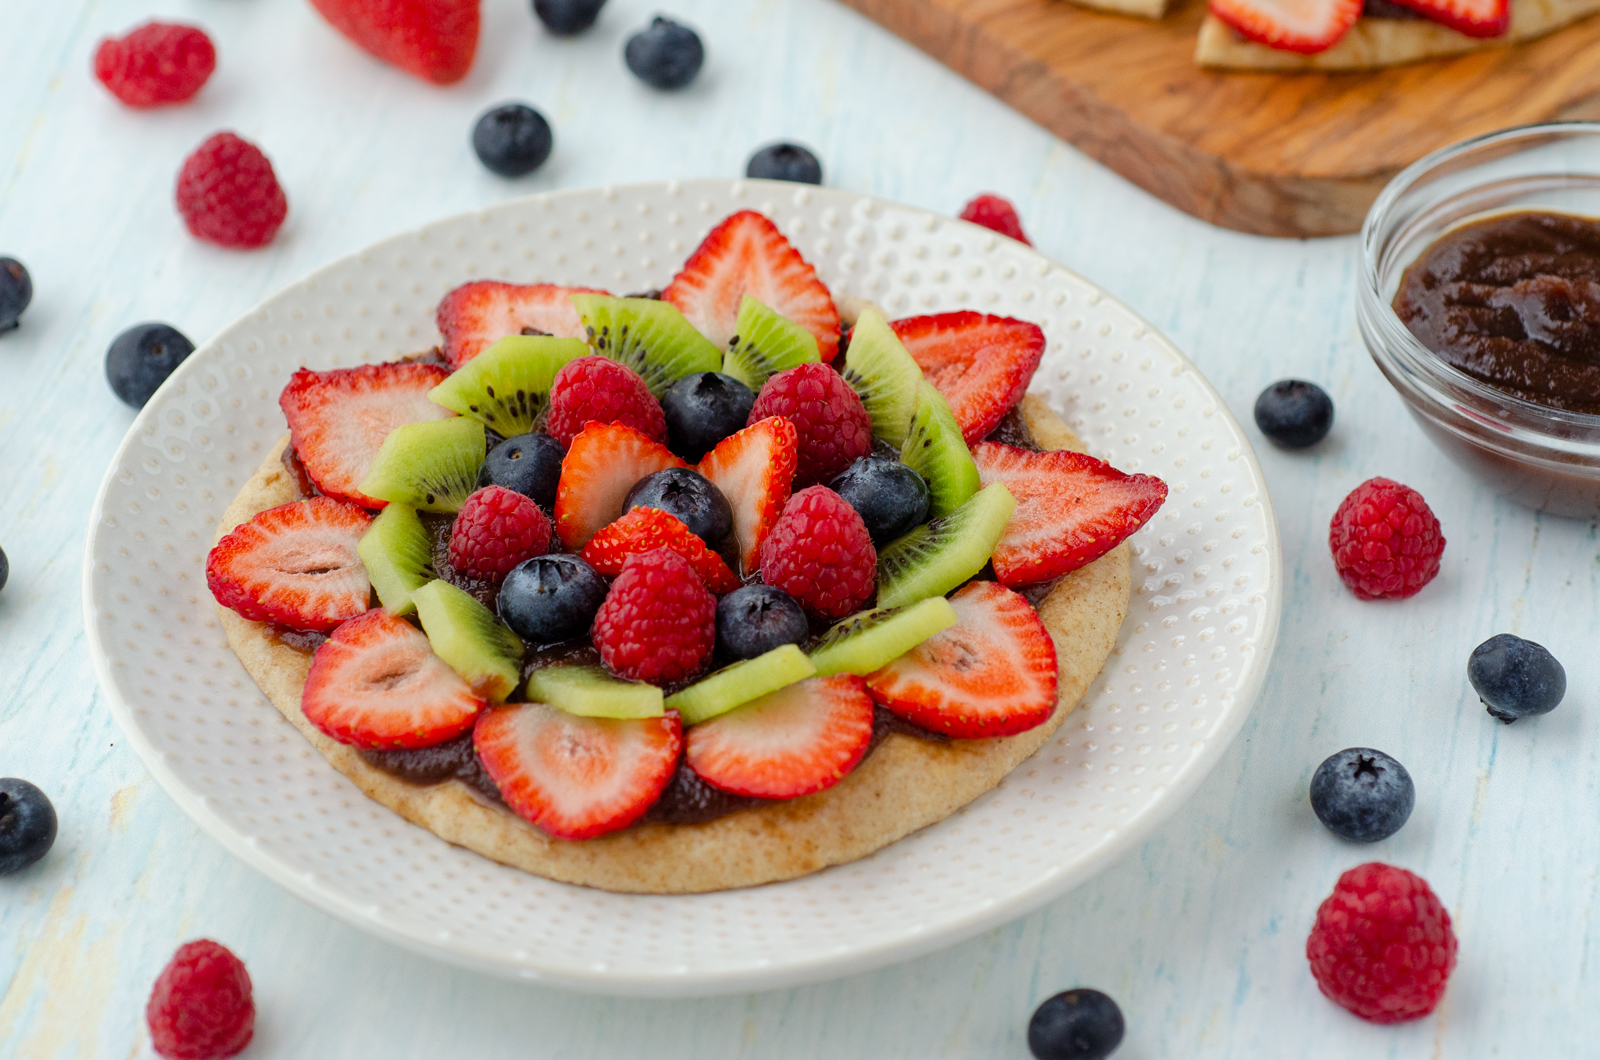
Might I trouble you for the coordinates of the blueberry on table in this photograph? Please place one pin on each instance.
(566, 17)
(16, 291)
(27, 825)
(141, 358)
(5, 568)
(529, 464)
(512, 139)
(785, 162)
(664, 54)
(549, 599)
(755, 619)
(891, 498)
(1362, 795)
(690, 496)
(1294, 413)
(702, 409)
(1516, 678)
(1077, 1024)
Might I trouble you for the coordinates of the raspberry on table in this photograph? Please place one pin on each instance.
(820, 553)
(156, 63)
(1385, 541)
(495, 530)
(658, 622)
(229, 195)
(201, 1006)
(996, 214)
(598, 388)
(1382, 946)
(834, 427)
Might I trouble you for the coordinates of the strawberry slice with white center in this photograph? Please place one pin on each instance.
(577, 777)
(603, 463)
(338, 419)
(796, 741)
(1305, 26)
(377, 684)
(993, 673)
(754, 468)
(295, 565)
(980, 363)
(747, 255)
(1071, 509)
(1474, 18)
(476, 315)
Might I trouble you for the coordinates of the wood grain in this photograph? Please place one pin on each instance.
(1272, 154)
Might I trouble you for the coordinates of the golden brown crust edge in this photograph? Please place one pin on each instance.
(904, 785)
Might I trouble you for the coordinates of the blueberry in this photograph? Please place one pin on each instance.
(1362, 795)
(529, 464)
(1295, 414)
(549, 599)
(665, 54)
(688, 495)
(27, 825)
(1078, 1024)
(757, 618)
(5, 568)
(891, 498)
(141, 358)
(16, 291)
(785, 162)
(702, 409)
(566, 17)
(512, 139)
(1516, 678)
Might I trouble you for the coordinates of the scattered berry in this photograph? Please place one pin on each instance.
(658, 622)
(228, 194)
(1382, 946)
(820, 553)
(754, 469)
(478, 314)
(566, 17)
(796, 741)
(598, 389)
(833, 425)
(755, 619)
(996, 214)
(645, 529)
(549, 599)
(1362, 795)
(512, 139)
(1294, 413)
(980, 363)
(665, 54)
(702, 409)
(200, 1007)
(1077, 1024)
(1385, 541)
(891, 498)
(435, 40)
(604, 462)
(16, 291)
(689, 496)
(785, 162)
(27, 825)
(1516, 678)
(495, 530)
(5, 568)
(295, 565)
(529, 464)
(140, 359)
(156, 63)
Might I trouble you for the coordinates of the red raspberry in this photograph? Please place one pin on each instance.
(200, 1007)
(156, 63)
(1382, 945)
(1385, 541)
(820, 553)
(658, 622)
(598, 388)
(495, 530)
(834, 427)
(996, 214)
(228, 194)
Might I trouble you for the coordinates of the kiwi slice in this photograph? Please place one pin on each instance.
(738, 684)
(468, 637)
(432, 466)
(593, 693)
(765, 343)
(872, 640)
(398, 554)
(647, 335)
(942, 553)
(507, 387)
(935, 449)
(884, 376)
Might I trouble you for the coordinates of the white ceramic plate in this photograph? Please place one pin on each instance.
(1191, 658)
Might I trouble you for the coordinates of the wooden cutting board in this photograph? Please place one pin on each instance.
(1274, 154)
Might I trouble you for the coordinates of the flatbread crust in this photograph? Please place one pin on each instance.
(904, 785)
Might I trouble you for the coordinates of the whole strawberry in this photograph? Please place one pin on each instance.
(658, 622)
(834, 427)
(600, 389)
(156, 63)
(434, 39)
(495, 530)
(820, 553)
(229, 195)
(201, 1006)
(1385, 541)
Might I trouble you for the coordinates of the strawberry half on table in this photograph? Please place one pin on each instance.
(476, 315)
(435, 40)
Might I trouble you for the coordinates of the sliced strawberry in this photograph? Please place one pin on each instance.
(1474, 18)
(295, 565)
(577, 777)
(1305, 26)
(603, 463)
(754, 469)
(747, 255)
(338, 419)
(993, 673)
(377, 684)
(476, 315)
(644, 529)
(1071, 509)
(981, 364)
(792, 742)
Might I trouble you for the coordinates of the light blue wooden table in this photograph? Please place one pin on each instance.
(1199, 935)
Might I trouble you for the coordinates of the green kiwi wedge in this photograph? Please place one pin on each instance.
(469, 637)
(884, 376)
(432, 466)
(942, 553)
(736, 685)
(765, 343)
(397, 551)
(935, 449)
(872, 640)
(647, 335)
(593, 693)
(507, 387)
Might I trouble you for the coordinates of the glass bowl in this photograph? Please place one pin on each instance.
(1544, 458)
